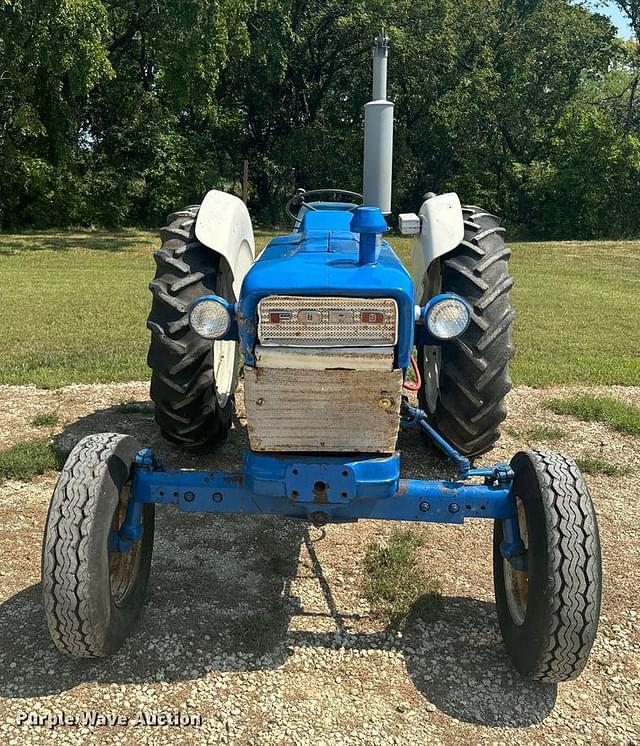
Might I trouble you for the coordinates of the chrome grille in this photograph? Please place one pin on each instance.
(292, 321)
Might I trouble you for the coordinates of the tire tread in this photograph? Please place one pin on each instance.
(474, 379)
(65, 561)
(182, 380)
(574, 555)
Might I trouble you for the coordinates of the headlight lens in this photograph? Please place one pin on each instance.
(210, 318)
(448, 318)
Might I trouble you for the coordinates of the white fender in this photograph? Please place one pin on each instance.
(224, 225)
(441, 231)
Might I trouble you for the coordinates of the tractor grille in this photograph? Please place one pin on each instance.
(291, 321)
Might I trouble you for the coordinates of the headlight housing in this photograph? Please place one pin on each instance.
(211, 317)
(447, 316)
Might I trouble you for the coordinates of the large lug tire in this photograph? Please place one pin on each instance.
(548, 612)
(193, 381)
(93, 596)
(467, 380)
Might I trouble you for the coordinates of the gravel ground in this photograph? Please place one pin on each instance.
(256, 628)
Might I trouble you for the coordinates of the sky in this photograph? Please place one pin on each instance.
(614, 12)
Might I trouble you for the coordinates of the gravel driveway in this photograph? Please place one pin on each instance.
(256, 630)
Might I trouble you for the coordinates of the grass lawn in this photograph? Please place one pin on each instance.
(75, 306)
(623, 417)
(394, 584)
(25, 460)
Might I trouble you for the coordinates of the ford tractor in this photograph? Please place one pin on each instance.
(331, 334)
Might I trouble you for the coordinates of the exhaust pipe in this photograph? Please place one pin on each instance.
(378, 134)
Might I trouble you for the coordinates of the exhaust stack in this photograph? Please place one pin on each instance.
(378, 134)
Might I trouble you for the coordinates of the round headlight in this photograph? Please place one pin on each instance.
(210, 319)
(448, 318)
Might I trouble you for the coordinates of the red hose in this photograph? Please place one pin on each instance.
(418, 384)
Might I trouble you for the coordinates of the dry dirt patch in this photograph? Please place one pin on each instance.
(259, 626)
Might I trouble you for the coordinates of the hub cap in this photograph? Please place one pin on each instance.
(432, 357)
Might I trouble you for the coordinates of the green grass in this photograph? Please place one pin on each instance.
(548, 433)
(623, 417)
(394, 585)
(51, 419)
(75, 305)
(593, 466)
(564, 293)
(25, 460)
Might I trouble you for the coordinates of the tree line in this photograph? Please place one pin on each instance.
(115, 113)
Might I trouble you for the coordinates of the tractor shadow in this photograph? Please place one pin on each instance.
(459, 663)
(224, 604)
(217, 601)
(114, 241)
(222, 598)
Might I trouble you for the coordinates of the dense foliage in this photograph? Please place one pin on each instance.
(114, 112)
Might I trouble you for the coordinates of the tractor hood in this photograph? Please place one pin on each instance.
(317, 262)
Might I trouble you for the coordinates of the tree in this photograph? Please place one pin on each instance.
(116, 111)
(152, 124)
(104, 104)
(631, 10)
(495, 103)
(479, 88)
(52, 53)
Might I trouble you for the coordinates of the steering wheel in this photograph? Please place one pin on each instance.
(301, 198)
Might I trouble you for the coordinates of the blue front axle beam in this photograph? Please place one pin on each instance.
(321, 489)
(413, 500)
(328, 489)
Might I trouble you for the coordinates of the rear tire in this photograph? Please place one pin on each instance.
(548, 612)
(192, 380)
(92, 596)
(471, 373)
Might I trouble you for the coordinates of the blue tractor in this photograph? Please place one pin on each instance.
(328, 324)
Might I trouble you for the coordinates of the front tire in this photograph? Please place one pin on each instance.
(93, 596)
(549, 612)
(466, 380)
(192, 381)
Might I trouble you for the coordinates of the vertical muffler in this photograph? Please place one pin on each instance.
(378, 134)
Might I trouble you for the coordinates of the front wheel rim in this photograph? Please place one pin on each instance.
(123, 566)
(516, 581)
